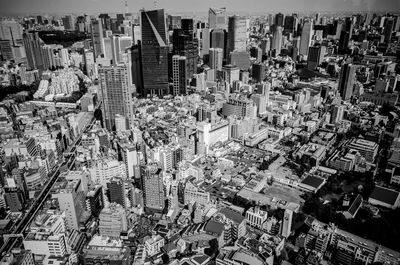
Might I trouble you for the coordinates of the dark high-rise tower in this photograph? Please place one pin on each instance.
(343, 42)
(279, 20)
(154, 52)
(346, 81)
(185, 45)
(387, 32)
(289, 24)
(116, 189)
(218, 39)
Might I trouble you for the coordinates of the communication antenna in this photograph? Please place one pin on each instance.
(126, 6)
(155, 4)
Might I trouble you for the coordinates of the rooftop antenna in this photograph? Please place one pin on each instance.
(155, 4)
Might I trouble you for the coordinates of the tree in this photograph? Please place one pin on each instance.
(165, 258)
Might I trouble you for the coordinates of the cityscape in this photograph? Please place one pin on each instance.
(242, 133)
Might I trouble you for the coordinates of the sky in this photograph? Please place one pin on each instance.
(173, 6)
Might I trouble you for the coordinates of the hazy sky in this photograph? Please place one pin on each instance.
(93, 6)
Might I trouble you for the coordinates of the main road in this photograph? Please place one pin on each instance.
(38, 203)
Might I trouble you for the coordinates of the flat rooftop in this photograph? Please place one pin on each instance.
(312, 181)
(384, 195)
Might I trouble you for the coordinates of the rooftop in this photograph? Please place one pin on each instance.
(384, 195)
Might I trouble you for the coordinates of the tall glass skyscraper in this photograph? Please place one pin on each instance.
(154, 53)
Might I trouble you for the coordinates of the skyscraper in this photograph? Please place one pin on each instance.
(305, 39)
(218, 39)
(289, 24)
(315, 56)
(116, 189)
(116, 93)
(279, 20)
(137, 71)
(217, 18)
(185, 45)
(237, 33)
(33, 49)
(258, 72)
(10, 29)
(287, 223)
(216, 58)
(71, 200)
(347, 79)
(119, 44)
(153, 188)
(389, 26)
(154, 52)
(179, 75)
(68, 22)
(277, 40)
(97, 38)
(343, 42)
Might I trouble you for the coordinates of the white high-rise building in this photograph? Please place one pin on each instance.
(120, 123)
(64, 55)
(113, 220)
(287, 223)
(106, 169)
(71, 200)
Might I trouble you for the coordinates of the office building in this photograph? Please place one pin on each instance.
(185, 45)
(32, 44)
(315, 56)
(116, 87)
(367, 149)
(153, 188)
(117, 46)
(230, 73)
(218, 39)
(71, 200)
(287, 223)
(95, 200)
(216, 58)
(289, 24)
(154, 52)
(97, 37)
(343, 42)
(237, 33)
(239, 106)
(241, 59)
(116, 190)
(258, 72)
(337, 114)
(306, 35)
(10, 30)
(179, 77)
(347, 79)
(217, 18)
(47, 244)
(277, 40)
(388, 30)
(113, 220)
(107, 250)
(279, 20)
(255, 217)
